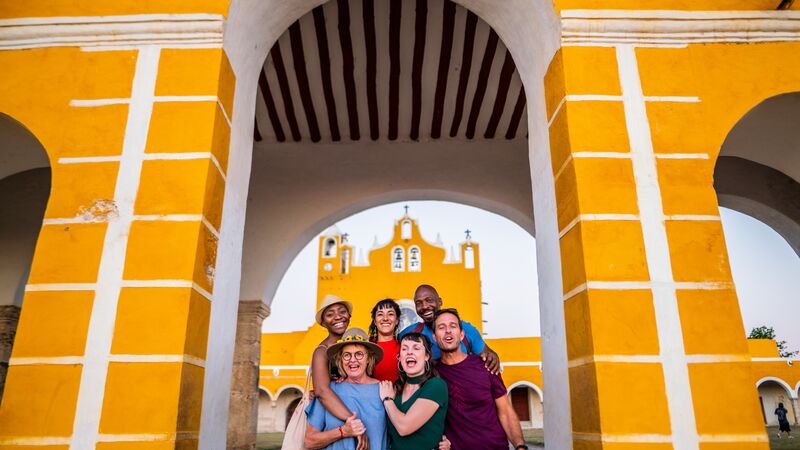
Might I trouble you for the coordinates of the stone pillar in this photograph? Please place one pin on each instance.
(9, 316)
(243, 411)
(795, 406)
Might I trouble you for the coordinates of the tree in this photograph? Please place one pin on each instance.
(765, 332)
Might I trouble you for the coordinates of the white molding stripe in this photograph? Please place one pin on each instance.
(46, 360)
(45, 287)
(672, 99)
(161, 437)
(677, 28)
(648, 191)
(693, 217)
(615, 98)
(72, 360)
(713, 359)
(648, 285)
(91, 103)
(89, 159)
(521, 364)
(112, 262)
(101, 32)
(759, 437)
(188, 359)
(617, 155)
(623, 438)
(594, 359)
(35, 441)
(783, 360)
(593, 98)
(556, 111)
(590, 217)
(682, 156)
(167, 284)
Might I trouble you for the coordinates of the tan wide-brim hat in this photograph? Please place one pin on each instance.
(330, 300)
(355, 336)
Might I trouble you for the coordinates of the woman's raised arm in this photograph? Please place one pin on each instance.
(322, 389)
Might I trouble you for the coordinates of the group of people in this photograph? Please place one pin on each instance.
(434, 385)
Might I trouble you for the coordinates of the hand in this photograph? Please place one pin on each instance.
(386, 389)
(491, 360)
(310, 394)
(362, 442)
(353, 426)
(444, 444)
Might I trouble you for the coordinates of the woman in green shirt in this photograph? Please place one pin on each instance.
(417, 402)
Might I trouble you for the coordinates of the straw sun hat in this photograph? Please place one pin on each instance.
(330, 300)
(356, 336)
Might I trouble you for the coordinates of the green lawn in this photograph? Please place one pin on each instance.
(272, 441)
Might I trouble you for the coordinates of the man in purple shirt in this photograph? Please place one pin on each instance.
(479, 414)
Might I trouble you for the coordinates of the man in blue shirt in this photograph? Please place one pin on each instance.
(427, 302)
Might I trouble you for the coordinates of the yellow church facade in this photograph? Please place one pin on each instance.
(164, 161)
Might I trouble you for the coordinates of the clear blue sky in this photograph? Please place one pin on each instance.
(766, 270)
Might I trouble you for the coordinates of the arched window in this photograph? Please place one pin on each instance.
(469, 257)
(398, 259)
(329, 248)
(345, 261)
(405, 230)
(414, 259)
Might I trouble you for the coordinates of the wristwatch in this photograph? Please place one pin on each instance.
(521, 446)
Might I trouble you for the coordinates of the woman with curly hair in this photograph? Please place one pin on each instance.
(383, 331)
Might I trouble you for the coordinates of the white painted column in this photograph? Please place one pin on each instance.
(109, 279)
(555, 371)
(670, 338)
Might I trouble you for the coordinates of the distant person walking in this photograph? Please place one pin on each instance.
(783, 422)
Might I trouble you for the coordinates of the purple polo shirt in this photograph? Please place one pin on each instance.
(472, 421)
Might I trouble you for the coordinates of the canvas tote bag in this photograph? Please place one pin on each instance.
(296, 429)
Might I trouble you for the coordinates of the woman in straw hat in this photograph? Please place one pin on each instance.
(355, 357)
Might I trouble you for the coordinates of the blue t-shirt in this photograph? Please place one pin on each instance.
(363, 399)
(471, 334)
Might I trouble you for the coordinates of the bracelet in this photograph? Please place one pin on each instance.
(341, 433)
(521, 446)
(387, 398)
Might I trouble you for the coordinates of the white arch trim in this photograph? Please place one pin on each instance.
(286, 388)
(792, 392)
(525, 383)
(797, 389)
(271, 397)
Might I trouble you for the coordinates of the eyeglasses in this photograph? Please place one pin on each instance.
(357, 355)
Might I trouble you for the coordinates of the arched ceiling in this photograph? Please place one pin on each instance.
(389, 70)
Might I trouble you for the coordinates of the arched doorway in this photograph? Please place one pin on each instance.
(527, 402)
(25, 183)
(771, 392)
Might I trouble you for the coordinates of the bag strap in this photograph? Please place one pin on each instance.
(419, 327)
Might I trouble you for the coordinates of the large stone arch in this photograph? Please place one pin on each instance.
(530, 30)
(758, 168)
(25, 183)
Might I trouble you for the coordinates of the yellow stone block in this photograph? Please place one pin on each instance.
(594, 445)
(162, 250)
(68, 253)
(597, 126)
(584, 399)
(626, 387)
(679, 128)
(189, 71)
(227, 85)
(191, 404)
(573, 263)
(95, 131)
(142, 398)
(595, 186)
(554, 83)
(53, 323)
(39, 400)
(560, 147)
(711, 322)
(697, 250)
(188, 127)
(613, 250)
(621, 323)
(82, 189)
(591, 71)
(668, 72)
(687, 186)
(147, 445)
(567, 198)
(689, 5)
(168, 321)
(725, 398)
(192, 186)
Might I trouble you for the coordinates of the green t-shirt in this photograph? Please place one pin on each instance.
(429, 435)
